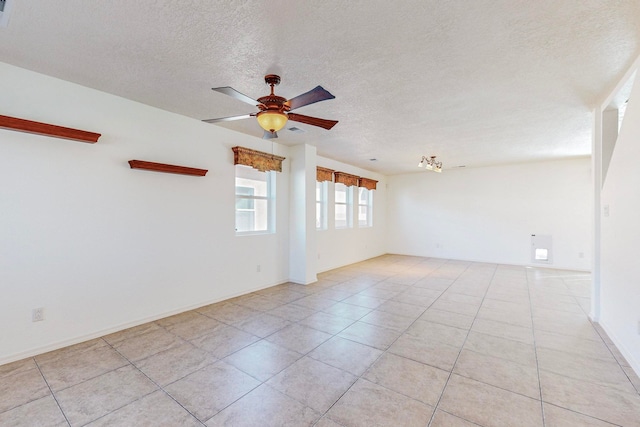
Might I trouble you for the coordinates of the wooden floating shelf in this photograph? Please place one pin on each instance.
(29, 126)
(161, 167)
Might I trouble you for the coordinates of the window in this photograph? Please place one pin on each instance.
(344, 206)
(255, 201)
(321, 205)
(365, 207)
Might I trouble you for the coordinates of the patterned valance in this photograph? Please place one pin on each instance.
(324, 174)
(346, 179)
(257, 159)
(369, 184)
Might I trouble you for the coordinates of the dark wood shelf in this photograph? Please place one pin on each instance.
(161, 167)
(29, 126)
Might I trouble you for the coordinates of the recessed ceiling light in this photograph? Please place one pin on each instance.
(373, 160)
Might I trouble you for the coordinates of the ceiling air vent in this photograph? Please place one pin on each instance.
(5, 9)
(296, 130)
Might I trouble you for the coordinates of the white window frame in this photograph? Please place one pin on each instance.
(348, 203)
(321, 205)
(248, 172)
(368, 206)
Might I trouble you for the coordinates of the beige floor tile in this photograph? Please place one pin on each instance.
(422, 301)
(575, 345)
(443, 419)
(292, 312)
(633, 377)
(80, 366)
(20, 388)
(17, 367)
(378, 292)
(334, 294)
(263, 325)
(283, 295)
(583, 329)
(194, 326)
(449, 295)
(156, 409)
(146, 344)
(70, 350)
(431, 353)
(259, 302)
(514, 351)
(584, 369)
(555, 416)
(225, 341)
(388, 320)
(99, 396)
(454, 307)
(489, 406)
(518, 318)
(326, 322)
(448, 318)
(350, 311)
(43, 412)
(209, 390)
(501, 373)
(347, 355)
(228, 312)
(503, 330)
(313, 383)
(401, 308)
(604, 403)
(416, 380)
(371, 335)
(314, 302)
(299, 338)
(120, 336)
(364, 301)
(327, 422)
(177, 362)
(367, 404)
(265, 407)
(263, 359)
(438, 332)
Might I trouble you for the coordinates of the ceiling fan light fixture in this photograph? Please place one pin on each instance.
(271, 121)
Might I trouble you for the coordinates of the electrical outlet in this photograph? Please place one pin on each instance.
(37, 314)
(258, 268)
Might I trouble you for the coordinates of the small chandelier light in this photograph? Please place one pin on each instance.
(430, 164)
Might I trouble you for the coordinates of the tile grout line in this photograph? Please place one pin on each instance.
(463, 343)
(385, 351)
(535, 349)
(155, 383)
(51, 391)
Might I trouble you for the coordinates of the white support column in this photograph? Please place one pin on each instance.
(596, 167)
(302, 215)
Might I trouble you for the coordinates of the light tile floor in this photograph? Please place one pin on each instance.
(392, 341)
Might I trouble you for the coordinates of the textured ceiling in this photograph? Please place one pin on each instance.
(473, 82)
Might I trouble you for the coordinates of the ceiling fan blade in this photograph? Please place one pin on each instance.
(316, 94)
(228, 119)
(228, 90)
(269, 135)
(314, 121)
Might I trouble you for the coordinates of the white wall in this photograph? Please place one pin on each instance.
(489, 214)
(620, 267)
(339, 247)
(101, 246)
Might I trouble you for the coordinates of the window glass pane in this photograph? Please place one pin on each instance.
(254, 196)
(253, 219)
(341, 193)
(363, 216)
(363, 196)
(341, 216)
(318, 215)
